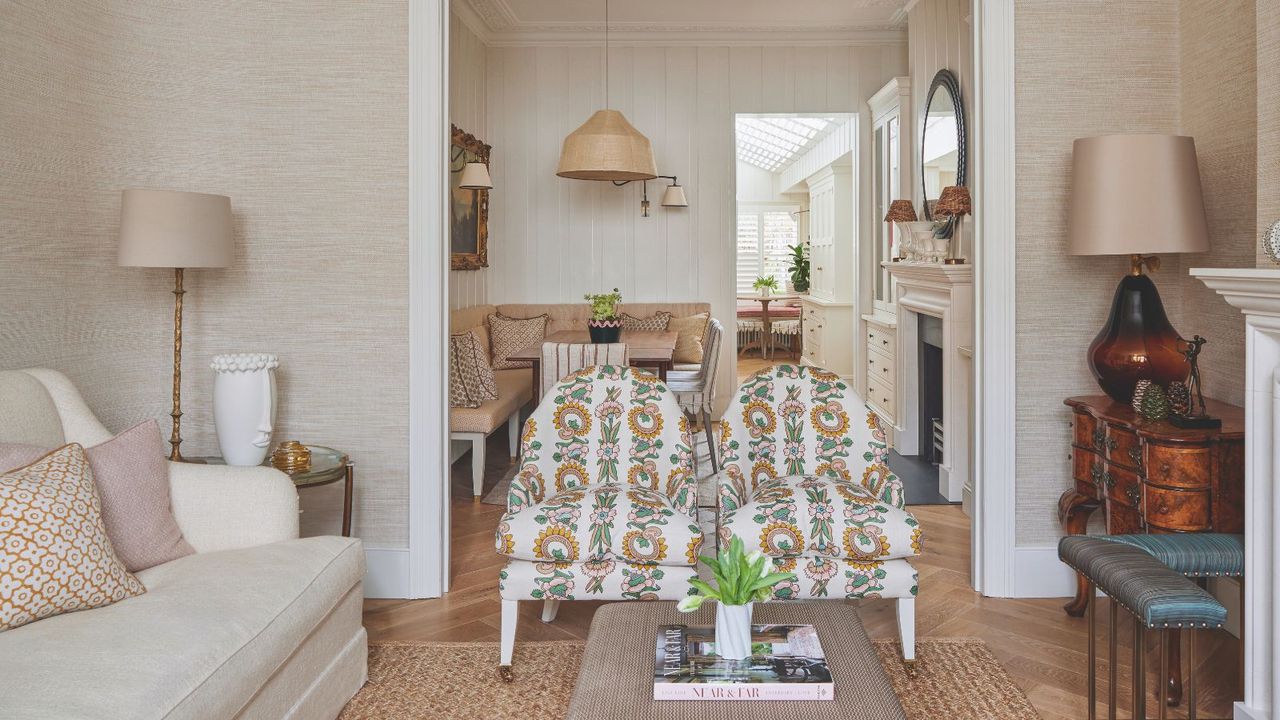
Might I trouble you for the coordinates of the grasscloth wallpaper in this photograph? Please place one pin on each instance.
(1268, 47)
(298, 110)
(1090, 68)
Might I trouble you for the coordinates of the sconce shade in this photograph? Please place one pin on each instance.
(607, 147)
(1136, 195)
(172, 229)
(901, 211)
(674, 197)
(953, 201)
(475, 176)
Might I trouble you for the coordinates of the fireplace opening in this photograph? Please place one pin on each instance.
(932, 437)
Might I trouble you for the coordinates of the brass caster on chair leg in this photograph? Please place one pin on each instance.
(910, 667)
(504, 672)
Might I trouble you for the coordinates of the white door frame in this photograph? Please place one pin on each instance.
(428, 517)
(994, 536)
(995, 359)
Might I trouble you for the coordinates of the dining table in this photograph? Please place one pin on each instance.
(766, 334)
(645, 349)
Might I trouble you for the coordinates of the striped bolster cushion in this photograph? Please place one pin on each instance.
(1153, 593)
(1191, 554)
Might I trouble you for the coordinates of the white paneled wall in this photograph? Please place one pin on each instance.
(552, 240)
(940, 37)
(467, 98)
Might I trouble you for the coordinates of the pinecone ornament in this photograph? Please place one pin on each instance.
(1155, 404)
(1139, 391)
(1179, 398)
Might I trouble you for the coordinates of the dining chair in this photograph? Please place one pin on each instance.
(696, 389)
(603, 504)
(804, 481)
(561, 359)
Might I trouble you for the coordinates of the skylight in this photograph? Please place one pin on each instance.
(772, 143)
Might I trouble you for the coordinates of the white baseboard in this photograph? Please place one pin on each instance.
(1038, 573)
(388, 573)
(1240, 711)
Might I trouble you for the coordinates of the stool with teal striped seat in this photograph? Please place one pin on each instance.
(1158, 597)
(1194, 555)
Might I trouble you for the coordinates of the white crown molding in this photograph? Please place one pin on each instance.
(496, 25)
(669, 38)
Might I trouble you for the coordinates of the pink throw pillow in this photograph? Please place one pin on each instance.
(132, 477)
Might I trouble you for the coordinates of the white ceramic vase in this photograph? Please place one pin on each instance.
(733, 631)
(244, 405)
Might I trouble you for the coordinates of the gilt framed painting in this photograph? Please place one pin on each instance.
(468, 209)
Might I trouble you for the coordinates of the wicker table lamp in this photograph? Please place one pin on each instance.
(172, 229)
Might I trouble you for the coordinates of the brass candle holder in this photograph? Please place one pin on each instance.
(291, 457)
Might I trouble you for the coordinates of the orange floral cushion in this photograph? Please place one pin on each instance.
(55, 556)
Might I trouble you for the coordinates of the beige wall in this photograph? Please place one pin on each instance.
(467, 110)
(1082, 69)
(552, 240)
(298, 110)
(1219, 109)
(1268, 49)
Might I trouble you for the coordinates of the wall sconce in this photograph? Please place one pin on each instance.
(475, 175)
(673, 196)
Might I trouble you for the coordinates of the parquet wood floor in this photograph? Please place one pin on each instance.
(1041, 647)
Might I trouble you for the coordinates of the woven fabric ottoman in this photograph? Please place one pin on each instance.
(616, 680)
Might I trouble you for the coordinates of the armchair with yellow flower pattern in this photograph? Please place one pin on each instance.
(603, 504)
(803, 479)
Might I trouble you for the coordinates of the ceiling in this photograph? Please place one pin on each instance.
(511, 21)
(772, 142)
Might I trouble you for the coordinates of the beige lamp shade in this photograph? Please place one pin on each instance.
(607, 147)
(172, 229)
(1136, 195)
(674, 197)
(475, 176)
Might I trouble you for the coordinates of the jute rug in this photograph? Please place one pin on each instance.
(957, 679)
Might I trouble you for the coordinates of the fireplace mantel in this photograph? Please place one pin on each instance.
(945, 292)
(1256, 293)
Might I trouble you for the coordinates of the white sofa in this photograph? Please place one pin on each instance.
(256, 624)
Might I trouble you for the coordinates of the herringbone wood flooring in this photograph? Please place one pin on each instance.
(1042, 648)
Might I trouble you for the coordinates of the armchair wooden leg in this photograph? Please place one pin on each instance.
(1139, 670)
(550, 607)
(1113, 672)
(907, 631)
(711, 440)
(509, 617)
(1093, 654)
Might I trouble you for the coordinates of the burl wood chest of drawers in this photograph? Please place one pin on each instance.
(1152, 477)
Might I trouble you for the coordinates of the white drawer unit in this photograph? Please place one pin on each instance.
(828, 336)
(881, 364)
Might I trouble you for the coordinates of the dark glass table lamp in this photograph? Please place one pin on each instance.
(1136, 195)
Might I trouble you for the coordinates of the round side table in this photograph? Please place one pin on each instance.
(327, 466)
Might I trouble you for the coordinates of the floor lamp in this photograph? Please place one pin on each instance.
(172, 229)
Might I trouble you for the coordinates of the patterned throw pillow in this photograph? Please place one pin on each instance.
(689, 342)
(508, 336)
(53, 544)
(657, 323)
(471, 380)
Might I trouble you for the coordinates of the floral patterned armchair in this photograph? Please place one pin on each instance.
(602, 506)
(807, 485)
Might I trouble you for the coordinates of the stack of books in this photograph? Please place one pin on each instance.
(787, 663)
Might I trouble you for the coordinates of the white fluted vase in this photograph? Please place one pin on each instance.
(733, 631)
(244, 405)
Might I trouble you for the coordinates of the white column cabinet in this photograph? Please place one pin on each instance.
(828, 308)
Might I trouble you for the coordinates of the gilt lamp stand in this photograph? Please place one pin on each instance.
(179, 230)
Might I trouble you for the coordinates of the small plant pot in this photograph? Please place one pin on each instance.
(604, 331)
(733, 631)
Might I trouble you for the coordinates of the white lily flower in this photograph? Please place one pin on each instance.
(765, 569)
(690, 603)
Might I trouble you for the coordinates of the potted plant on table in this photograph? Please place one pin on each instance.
(741, 580)
(605, 325)
(798, 267)
(765, 285)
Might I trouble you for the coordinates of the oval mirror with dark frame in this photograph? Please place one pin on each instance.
(943, 158)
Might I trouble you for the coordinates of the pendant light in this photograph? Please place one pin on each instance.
(607, 146)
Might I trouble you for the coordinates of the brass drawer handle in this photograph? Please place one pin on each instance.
(1135, 496)
(1135, 454)
(1099, 439)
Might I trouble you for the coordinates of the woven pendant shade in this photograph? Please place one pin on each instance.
(607, 147)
